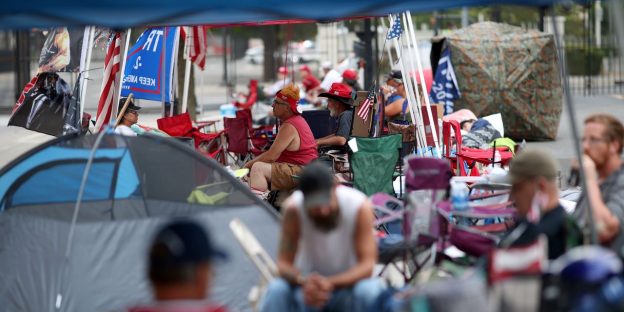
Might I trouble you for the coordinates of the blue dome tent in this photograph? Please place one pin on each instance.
(92, 256)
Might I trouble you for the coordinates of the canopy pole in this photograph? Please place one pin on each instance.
(415, 105)
(163, 68)
(70, 237)
(406, 82)
(423, 84)
(589, 231)
(121, 75)
(84, 78)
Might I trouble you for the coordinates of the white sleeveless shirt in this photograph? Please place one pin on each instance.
(333, 252)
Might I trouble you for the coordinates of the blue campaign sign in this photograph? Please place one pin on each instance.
(444, 89)
(144, 74)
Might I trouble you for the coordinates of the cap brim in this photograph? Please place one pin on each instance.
(337, 98)
(316, 199)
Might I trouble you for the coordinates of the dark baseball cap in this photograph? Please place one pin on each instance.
(395, 74)
(182, 242)
(131, 105)
(316, 183)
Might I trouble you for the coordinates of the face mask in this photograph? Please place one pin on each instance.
(537, 204)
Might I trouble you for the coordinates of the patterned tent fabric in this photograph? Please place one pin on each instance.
(512, 71)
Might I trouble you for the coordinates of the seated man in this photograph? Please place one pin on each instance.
(602, 142)
(533, 175)
(179, 269)
(294, 147)
(129, 118)
(327, 249)
(340, 104)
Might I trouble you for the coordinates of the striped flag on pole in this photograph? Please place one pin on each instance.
(110, 82)
(364, 109)
(195, 45)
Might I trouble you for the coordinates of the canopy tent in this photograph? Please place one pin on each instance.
(122, 14)
(508, 70)
(133, 185)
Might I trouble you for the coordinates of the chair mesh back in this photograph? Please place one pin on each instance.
(320, 122)
(237, 134)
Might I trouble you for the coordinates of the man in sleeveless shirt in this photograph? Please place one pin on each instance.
(327, 249)
(294, 147)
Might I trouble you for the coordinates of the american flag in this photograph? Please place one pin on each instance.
(110, 82)
(396, 29)
(195, 45)
(364, 109)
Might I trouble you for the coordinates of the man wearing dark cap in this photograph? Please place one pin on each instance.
(327, 249)
(129, 117)
(340, 105)
(179, 269)
(534, 190)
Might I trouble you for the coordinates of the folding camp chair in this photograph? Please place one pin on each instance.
(464, 159)
(373, 163)
(422, 174)
(209, 144)
(239, 145)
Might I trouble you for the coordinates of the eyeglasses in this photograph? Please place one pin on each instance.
(281, 103)
(593, 141)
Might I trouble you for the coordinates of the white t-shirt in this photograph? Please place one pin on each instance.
(331, 77)
(333, 252)
(125, 130)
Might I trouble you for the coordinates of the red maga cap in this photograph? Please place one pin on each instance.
(349, 74)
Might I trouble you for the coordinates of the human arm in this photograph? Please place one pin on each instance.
(289, 242)
(607, 223)
(285, 136)
(365, 249)
(394, 108)
(331, 139)
(62, 57)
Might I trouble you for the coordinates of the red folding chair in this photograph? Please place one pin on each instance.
(465, 159)
(209, 144)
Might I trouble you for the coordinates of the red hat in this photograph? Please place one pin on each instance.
(305, 68)
(349, 74)
(340, 92)
(310, 82)
(283, 70)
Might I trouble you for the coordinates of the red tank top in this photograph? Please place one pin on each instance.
(307, 146)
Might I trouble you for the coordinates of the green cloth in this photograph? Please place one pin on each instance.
(199, 197)
(374, 162)
(505, 142)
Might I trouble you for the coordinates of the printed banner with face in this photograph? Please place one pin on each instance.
(62, 50)
(149, 67)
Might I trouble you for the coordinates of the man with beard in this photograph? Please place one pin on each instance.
(603, 138)
(327, 249)
(340, 103)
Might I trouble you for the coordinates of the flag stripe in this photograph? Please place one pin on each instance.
(109, 82)
(195, 45)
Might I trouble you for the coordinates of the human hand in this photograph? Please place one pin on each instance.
(314, 291)
(589, 168)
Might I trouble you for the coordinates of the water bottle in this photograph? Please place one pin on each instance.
(459, 195)
(459, 200)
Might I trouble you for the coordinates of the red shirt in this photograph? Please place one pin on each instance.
(307, 145)
(310, 82)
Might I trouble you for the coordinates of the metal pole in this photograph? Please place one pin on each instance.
(589, 230)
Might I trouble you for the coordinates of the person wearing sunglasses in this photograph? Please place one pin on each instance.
(129, 118)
